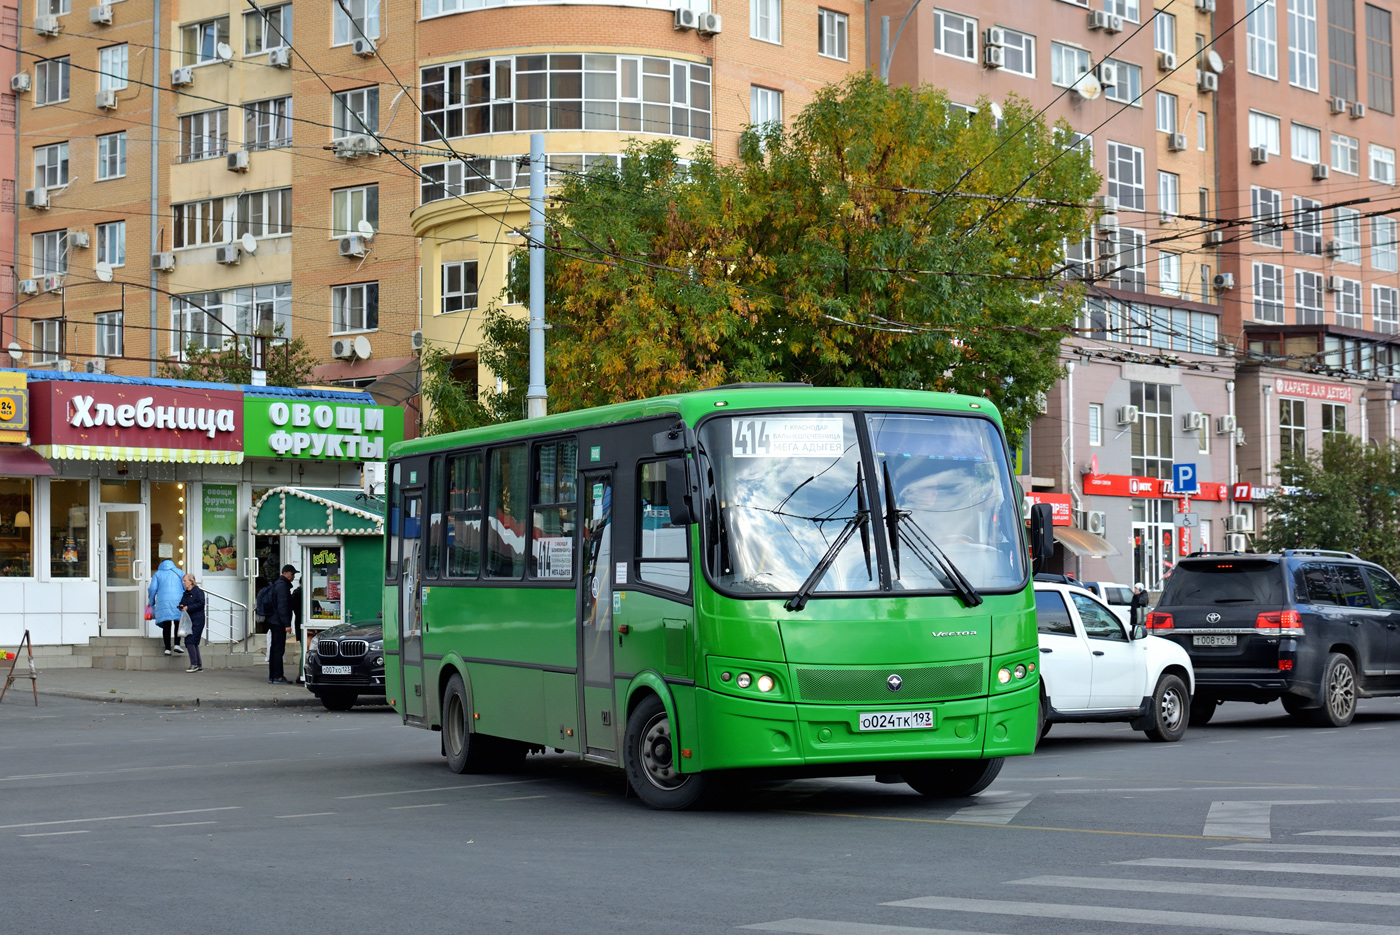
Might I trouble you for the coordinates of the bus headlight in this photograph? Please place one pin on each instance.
(744, 680)
(1020, 672)
(1003, 675)
(765, 683)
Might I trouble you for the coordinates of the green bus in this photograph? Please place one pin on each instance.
(773, 579)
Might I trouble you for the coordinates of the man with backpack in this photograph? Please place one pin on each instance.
(275, 604)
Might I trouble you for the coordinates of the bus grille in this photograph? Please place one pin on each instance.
(870, 686)
(353, 647)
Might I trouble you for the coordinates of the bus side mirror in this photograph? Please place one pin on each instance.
(681, 491)
(678, 439)
(1042, 534)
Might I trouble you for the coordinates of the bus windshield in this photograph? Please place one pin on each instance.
(783, 487)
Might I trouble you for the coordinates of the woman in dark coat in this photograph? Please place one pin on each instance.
(1139, 604)
(193, 604)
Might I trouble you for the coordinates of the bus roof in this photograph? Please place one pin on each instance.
(692, 406)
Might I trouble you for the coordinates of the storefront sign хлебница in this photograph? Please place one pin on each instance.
(323, 431)
(131, 422)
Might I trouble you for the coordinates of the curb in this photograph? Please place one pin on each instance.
(307, 702)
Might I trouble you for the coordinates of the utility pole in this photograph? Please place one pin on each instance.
(886, 48)
(536, 396)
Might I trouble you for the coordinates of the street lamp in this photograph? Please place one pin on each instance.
(886, 47)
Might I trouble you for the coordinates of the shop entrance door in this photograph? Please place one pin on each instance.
(125, 569)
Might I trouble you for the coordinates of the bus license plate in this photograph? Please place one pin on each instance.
(335, 670)
(897, 720)
(1213, 640)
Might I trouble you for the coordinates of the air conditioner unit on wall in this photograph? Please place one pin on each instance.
(1334, 283)
(354, 245)
(1166, 61)
(229, 254)
(1205, 6)
(36, 198)
(1236, 543)
(100, 15)
(96, 365)
(1357, 111)
(1099, 19)
(238, 161)
(1338, 105)
(343, 349)
(1108, 203)
(685, 19)
(1115, 25)
(280, 58)
(46, 25)
(1225, 425)
(994, 56)
(1239, 522)
(1258, 155)
(1093, 521)
(21, 82)
(29, 287)
(994, 35)
(1193, 421)
(164, 262)
(1108, 75)
(363, 47)
(1207, 81)
(1214, 238)
(78, 239)
(1223, 281)
(415, 340)
(709, 24)
(1127, 415)
(1176, 142)
(181, 77)
(51, 284)
(1321, 172)
(355, 145)
(106, 100)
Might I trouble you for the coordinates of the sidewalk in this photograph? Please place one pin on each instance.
(221, 688)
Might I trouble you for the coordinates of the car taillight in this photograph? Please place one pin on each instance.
(1158, 621)
(1290, 620)
(1280, 621)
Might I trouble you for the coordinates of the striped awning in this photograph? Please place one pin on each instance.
(122, 453)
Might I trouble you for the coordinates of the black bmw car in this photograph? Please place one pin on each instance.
(346, 663)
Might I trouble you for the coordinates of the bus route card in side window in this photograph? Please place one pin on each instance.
(790, 437)
(554, 557)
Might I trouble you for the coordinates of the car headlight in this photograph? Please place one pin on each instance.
(376, 646)
(311, 647)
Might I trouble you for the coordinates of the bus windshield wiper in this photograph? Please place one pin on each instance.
(860, 519)
(923, 546)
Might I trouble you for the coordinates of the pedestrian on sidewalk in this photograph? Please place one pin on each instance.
(193, 604)
(279, 623)
(163, 595)
(1138, 605)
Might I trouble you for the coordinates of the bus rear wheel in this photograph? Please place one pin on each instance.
(466, 752)
(952, 779)
(649, 756)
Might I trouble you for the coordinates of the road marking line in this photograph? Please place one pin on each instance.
(1238, 820)
(98, 772)
(1353, 834)
(1388, 818)
(986, 824)
(1252, 866)
(829, 927)
(1229, 890)
(305, 815)
(993, 812)
(1371, 728)
(395, 808)
(51, 834)
(185, 824)
(1153, 917)
(76, 821)
(80, 743)
(480, 785)
(522, 798)
(1315, 849)
(1123, 789)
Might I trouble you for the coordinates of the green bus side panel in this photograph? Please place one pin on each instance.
(661, 636)
(1014, 630)
(393, 683)
(509, 701)
(560, 729)
(529, 625)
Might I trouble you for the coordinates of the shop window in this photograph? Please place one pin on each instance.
(464, 515)
(326, 585)
(505, 537)
(69, 523)
(662, 548)
(552, 548)
(219, 520)
(16, 527)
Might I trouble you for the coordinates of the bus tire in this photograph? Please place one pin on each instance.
(648, 756)
(1044, 723)
(952, 779)
(338, 701)
(466, 751)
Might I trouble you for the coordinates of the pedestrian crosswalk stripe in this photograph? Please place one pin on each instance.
(832, 927)
(1154, 917)
(997, 811)
(1315, 849)
(1253, 866)
(1353, 834)
(1238, 820)
(1229, 890)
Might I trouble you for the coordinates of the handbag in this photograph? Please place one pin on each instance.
(186, 624)
(150, 614)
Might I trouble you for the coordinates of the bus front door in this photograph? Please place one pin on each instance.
(411, 604)
(596, 619)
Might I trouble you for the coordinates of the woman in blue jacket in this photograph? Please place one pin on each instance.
(192, 603)
(164, 594)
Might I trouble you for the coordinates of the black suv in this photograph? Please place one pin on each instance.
(1314, 629)
(346, 662)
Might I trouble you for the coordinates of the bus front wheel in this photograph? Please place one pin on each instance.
(649, 757)
(952, 779)
(466, 752)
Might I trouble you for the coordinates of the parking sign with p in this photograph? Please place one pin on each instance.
(1184, 478)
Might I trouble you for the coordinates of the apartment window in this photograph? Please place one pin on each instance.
(51, 165)
(199, 42)
(1203, 205)
(1302, 44)
(1385, 309)
(270, 29)
(1166, 112)
(1020, 53)
(1348, 304)
(1261, 31)
(459, 286)
(1164, 32)
(1153, 432)
(955, 35)
(355, 308)
(1207, 286)
(1307, 226)
(1346, 230)
(50, 256)
(1125, 176)
(107, 334)
(1380, 68)
(201, 223)
(355, 111)
(765, 106)
(1128, 9)
(111, 243)
(362, 23)
(111, 156)
(766, 20)
(1169, 194)
(51, 81)
(1268, 293)
(1292, 428)
(1383, 254)
(265, 310)
(1346, 154)
(1169, 273)
(1128, 89)
(1334, 420)
(203, 135)
(1096, 423)
(1267, 209)
(1307, 144)
(265, 213)
(1341, 48)
(1382, 164)
(48, 340)
(350, 206)
(111, 68)
(1307, 287)
(53, 7)
(831, 34)
(1264, 131)
(1129, 259)
(1068, 64)
(267, 124)
(1202, 130)
(197, 322)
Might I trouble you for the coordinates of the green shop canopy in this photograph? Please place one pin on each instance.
(318, 511)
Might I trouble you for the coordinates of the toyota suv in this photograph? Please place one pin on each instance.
(1314, 629)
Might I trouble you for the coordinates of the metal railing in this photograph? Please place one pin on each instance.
(227, 627)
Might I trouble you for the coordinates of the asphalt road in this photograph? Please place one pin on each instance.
(118, 819)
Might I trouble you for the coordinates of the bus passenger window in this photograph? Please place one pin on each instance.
(391, 545)
(506, 512)
(464, 515)
(662, 553)
(556, 495)
(434, 544)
